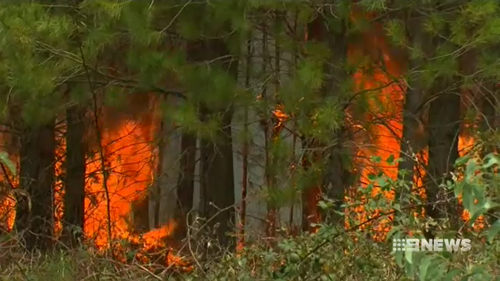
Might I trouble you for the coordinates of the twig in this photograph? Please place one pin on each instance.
(149, 272)
(101, 150)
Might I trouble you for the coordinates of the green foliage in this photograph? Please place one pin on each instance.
(31, 41)
(479, 196)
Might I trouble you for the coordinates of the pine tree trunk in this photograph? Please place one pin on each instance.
(444, 121)
(217, 189)
(217, 182)
(411, 140)
(185, 186)
(34, 218)
(336, 176)
(336, 179)
(74, 181)
(154, 189)
(312, 194)
(169, 171)
(162, 193)
(409, 148)
(443, 132)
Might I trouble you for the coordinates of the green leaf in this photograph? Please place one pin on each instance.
(390, 159)
(408, 256)
(490, 161)
(310, 74)
(396, 207)
(476, 213)
(376, 159)
(372, 177)
(471, 169)
(492, 232)
(452, 274)
(394, 232)
(4, 157)
(462, 160)
(424, 266)
(467, 197)
(396, 32)
(458, 188)
(373, 5)
(322, 205)
(399, 258)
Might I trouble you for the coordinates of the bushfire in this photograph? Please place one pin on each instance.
(131, 157)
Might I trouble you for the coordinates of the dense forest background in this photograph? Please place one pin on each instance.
(248, 139)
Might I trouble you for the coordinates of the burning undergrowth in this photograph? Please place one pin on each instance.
(154, 249)
(109, 223)
(131, 157)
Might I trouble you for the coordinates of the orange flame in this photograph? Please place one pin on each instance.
(386, 99)
(130, 161)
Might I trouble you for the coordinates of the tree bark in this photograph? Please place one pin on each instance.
(74, 181)
(169, 170)
(444, 126)
(162, 195)
(411, 111)
(35, 217)
(217, 190)
(443, 131)
(336, 176)
(217, 182)
(312, 194)
(185, 186)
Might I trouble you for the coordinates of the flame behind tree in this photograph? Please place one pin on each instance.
(127, 154)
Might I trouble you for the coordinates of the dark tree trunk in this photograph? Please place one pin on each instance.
(444, 125)
(412, 141)
(216, 168)
(312, 194)
(409, 148)
(34, 217)
(154, 194)
(336, 178)
(140, 215)
(443, 131)
(217, 183)
(185, 187)
(74, 180)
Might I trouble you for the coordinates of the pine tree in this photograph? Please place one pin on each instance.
(33, 78)
(185, 186)
(336, 180)
(74, 195)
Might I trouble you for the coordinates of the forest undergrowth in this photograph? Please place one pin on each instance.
(328, 254)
